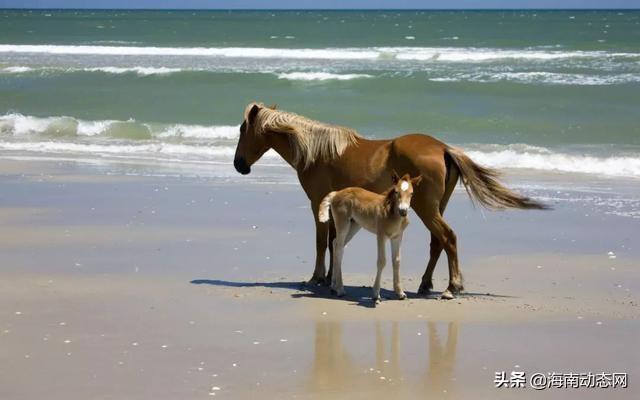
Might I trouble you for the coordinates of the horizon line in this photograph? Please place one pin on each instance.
(324, 9)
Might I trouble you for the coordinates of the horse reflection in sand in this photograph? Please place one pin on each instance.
(341, 363)
(328, 157)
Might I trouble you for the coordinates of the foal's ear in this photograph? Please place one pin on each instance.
(252, 113)
(416, 181)
(394, 176)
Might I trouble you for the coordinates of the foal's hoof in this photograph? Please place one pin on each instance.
(401, 295)
(447, 295)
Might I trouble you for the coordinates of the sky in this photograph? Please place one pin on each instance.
(320, 4)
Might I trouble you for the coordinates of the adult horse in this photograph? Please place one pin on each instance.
(328, 158)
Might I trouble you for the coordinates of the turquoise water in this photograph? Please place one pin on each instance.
(537, 90)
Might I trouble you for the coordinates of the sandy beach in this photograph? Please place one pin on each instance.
(120, 286)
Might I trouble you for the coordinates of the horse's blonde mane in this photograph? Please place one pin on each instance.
(310, 140)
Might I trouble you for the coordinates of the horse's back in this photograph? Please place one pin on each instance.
(417, 153)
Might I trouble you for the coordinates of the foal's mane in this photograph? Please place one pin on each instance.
(310, 140)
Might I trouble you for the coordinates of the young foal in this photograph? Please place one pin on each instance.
(383, 214)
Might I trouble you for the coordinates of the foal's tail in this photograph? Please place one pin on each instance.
(325, 205)
(483, 186)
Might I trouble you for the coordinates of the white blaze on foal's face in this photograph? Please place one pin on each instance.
(404, 197)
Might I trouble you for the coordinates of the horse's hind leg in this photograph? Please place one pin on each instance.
(447, 237)
(436, 247)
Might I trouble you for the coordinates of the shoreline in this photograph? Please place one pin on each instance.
(140, 287)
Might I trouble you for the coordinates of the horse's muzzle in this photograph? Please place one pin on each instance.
(403, 213)
(241, 165)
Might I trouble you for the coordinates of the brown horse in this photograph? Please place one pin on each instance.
(329, 158)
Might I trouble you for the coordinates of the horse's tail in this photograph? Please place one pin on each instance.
(325, 205)
(483, 186)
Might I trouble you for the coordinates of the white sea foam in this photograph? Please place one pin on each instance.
(320, 76)
(550, 78)
(448, 54)
(21, 125)
(120, 149)
(117, 139)
(15, 70)
(155, 151)
(543, 159)
(140, 70)
(143, 71)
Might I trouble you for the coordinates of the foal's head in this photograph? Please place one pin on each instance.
(402, 191)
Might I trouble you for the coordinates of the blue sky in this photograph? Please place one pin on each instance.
(330, 4)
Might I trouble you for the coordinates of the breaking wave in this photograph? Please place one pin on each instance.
(175, 142)
(320, 76)
(544, 159)
(549, 78)
(23, 125)
(445, 54)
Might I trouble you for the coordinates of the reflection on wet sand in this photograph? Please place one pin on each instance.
(347, 361)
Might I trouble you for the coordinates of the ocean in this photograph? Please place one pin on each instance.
(544, 92)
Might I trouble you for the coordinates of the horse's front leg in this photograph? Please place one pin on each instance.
(322, 233)
(395, 259)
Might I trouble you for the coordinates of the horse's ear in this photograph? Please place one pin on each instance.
(394, 176)
(416, 181)
(252, 113)
(273, 107)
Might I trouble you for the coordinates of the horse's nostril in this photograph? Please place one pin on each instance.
(241, 165)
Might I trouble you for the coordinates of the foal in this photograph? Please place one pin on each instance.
(383, 214)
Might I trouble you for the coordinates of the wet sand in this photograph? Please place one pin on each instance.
(117, 287)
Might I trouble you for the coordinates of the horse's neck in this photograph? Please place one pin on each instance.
(280, 143)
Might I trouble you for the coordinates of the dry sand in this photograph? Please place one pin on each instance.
(147, 288)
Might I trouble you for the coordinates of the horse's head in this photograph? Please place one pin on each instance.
(251, 144)
(402, 191)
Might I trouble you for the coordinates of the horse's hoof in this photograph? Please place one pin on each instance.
(455, 286)
(337, 293)
(447, 295)
(315, 281)
(401, 295)
(377, 301)
(325, 282)
(424, 289)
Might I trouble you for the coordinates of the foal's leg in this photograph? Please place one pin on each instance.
(332, 237)
(354, 227)
(395, 259)
(382, 259)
